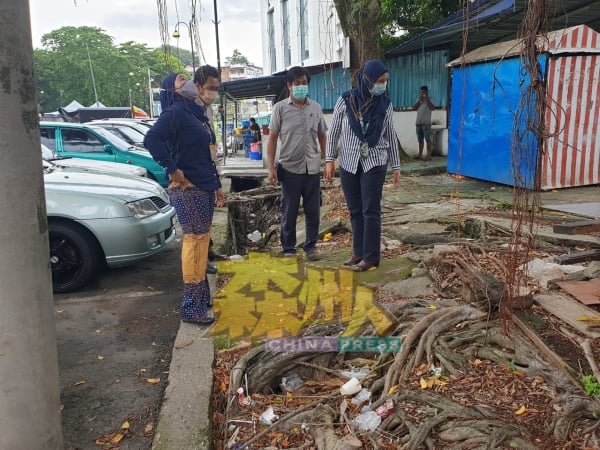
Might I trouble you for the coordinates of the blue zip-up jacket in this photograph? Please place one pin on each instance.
(179, 140)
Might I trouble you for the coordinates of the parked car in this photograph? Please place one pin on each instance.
(124, 131)
(96, 218)
(94, 142)
(91, 164)
(141, 125)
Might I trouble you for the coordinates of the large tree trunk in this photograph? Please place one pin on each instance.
(360, 22)
(30, 405)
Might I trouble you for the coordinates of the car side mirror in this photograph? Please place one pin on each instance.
(108, 148)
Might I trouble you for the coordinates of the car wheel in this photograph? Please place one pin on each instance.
(73, 257)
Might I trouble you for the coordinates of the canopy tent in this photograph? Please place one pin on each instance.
(73, 106)
(97, 105)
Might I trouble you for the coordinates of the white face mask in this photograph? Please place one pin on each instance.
(189, 89)
(209, 97)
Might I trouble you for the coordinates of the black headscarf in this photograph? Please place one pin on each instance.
(361, 103)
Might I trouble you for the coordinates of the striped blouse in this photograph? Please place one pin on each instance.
(349, 144)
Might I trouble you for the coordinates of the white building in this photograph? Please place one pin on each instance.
(240, 72)
(301, 33)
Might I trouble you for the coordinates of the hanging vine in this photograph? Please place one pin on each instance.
(528, 149)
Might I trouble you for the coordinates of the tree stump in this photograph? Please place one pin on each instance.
(257, 209)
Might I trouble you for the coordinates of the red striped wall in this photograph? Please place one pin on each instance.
(573, 112)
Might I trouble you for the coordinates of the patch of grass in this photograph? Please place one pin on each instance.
(504, 206)
(591, 385)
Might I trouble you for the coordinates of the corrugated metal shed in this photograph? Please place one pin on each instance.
(409, 72)
(326, 86)
(486, 93)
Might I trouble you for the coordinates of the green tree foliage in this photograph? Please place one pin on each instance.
(403, 19)
(236, 58)
(62, 69)
(183, 55)
(375, 26)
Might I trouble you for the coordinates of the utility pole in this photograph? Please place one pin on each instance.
(29, 387)
(92, 72)
(150, 95)
(222, 97)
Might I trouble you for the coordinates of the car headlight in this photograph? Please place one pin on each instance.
(142, 208)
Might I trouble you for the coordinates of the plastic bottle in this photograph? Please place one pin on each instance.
(268, 416)
(363, 396)
(368, 421)
(255, 236)
(291, 383)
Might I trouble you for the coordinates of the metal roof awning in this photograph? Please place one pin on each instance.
(573, 40)
(272, 85)
(490, 21)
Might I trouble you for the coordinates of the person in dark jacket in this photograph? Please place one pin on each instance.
(183, 142)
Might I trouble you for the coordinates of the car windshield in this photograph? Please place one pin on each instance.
(131, 133)
(114, 140)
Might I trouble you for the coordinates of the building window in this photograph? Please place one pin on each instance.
(285, 26)
(271, 37)
(304, 53)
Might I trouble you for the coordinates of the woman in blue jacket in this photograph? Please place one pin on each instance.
(183, 142)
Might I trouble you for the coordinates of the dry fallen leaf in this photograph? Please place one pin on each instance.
(116, 438)
(79, 383)
(149, 429)
(100, 357)
(125, 426)
(392, 389)
(327, 237)
(589, 319)
(183, 345)
(521, 410)
(153, 380)
(60, 311)
(423, 383)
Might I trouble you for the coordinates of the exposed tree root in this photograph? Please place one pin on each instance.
(440, 320)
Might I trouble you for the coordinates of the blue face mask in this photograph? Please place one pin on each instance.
(300, 92)
(379, 89)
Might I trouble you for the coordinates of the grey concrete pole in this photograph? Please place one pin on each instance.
(29, 387)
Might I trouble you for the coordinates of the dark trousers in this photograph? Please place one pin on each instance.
(294, 187)
(363, 197)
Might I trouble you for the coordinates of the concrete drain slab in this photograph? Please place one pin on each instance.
(591, 210)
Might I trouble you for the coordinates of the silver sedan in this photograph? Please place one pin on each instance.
(98, 219)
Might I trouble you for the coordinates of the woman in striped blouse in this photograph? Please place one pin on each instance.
(362, 128)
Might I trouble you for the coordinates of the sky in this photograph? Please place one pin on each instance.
(137, 20)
